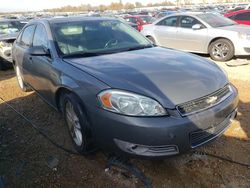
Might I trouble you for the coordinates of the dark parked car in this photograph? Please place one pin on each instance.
(119, 92)
(9, 29)
(241, 16)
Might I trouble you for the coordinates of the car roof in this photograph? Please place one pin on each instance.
(72, 19)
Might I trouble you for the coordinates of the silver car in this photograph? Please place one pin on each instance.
(198, 32)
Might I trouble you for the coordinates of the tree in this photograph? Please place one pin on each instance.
(129, 6)
(138, 4)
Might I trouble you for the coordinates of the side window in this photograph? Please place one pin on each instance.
(27, 36)
(40, 36)
(188, 22)
(243, 16)
(170, 21)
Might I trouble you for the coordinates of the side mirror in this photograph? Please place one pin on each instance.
(39, 51)
(197, 27)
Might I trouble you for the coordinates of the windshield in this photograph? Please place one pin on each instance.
(146, 19)
(10, 27)
(216, 20)
(96, 37)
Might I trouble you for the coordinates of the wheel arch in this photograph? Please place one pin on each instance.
(217, 38)
(60, 92)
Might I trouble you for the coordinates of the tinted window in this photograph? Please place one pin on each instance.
(243, 16)
(188, 22)
(40, 37)
(27, 35)
(170, 21)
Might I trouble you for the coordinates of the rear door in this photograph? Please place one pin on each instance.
(40, 67)
(20, 51)
(189, 39)
(166, 32)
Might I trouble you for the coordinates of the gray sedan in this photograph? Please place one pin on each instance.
(119, 92)
(206, 33)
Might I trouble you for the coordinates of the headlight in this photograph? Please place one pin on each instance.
(131, 104)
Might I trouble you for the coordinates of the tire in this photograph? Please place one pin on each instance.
(78, 124)
(2, 67)
(151, 39)
(23, 86)
(221, 50)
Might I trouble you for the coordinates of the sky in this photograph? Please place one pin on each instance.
(34, 5)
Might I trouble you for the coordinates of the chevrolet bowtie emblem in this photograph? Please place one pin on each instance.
(211, 100)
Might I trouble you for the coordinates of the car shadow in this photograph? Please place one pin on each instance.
(21, 144)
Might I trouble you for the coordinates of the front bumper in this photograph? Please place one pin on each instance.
(161, 136)
(242, 48)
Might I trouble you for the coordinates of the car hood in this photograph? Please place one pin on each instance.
(238, 28)
(169, 76)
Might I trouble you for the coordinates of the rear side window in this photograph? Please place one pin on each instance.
(27, 36)
(40, 37)
(188, 22)
(170, 21)
(243, 16)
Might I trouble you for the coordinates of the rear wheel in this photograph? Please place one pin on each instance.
(2, 67)
(151, 39)
(78, 123)
(20, 81)
(221, 50)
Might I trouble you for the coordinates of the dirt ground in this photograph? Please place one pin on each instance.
(25, 155)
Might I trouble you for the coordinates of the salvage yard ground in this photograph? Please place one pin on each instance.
(25, 155)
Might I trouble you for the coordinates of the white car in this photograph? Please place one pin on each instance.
(199, 32)
(9, 30)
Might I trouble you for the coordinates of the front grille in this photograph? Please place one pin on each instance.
(198, 138)
(204, 102)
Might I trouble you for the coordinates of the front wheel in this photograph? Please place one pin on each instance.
(2, 67)
(221, 50)
(78, 123)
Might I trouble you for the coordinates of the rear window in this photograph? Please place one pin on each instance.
(216, 20)
(146, 19)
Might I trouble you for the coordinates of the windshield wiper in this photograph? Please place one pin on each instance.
(139, 47)
(82, 54)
